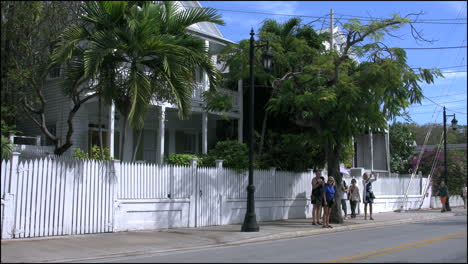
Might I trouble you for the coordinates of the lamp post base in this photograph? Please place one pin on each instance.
(250, 224)
(250, 219)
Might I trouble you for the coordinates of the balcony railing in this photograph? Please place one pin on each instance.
(197, 95)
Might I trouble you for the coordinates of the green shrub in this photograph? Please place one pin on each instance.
(180, 159)
(233, 153)
(7, 148)
(292, 152)
(80, 154)
(95, 153)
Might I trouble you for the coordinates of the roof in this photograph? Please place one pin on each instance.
(205, 27)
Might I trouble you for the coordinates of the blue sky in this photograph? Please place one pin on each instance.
(450, 91)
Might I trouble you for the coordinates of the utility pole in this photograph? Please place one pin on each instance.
(332, 24)
(447, 204)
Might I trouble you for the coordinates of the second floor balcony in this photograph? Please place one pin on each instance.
(197, 96)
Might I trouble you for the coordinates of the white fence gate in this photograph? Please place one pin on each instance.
(207, 204)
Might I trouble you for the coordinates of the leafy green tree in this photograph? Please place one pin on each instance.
(338, 98)
(293, 45)
(292, 152)
(137, 52)
(401, 147)
(453, 136)
(28, 31)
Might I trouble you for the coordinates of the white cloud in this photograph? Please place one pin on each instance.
(275, 7)
(454, 75)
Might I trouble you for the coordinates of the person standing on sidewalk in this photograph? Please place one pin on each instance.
(316, 197)
(367, 193)
(354, 198)
(464, 191)
(443, 193)
(328, 200)
(344, 197)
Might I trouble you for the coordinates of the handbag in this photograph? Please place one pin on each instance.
(371, 195)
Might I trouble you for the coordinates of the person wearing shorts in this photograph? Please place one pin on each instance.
(316, 197)
(328, 201)
(443, 193)
(367, 193)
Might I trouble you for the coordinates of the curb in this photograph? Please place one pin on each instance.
(304, 233)
(278, 236)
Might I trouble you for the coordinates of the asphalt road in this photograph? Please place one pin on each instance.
(442, 240)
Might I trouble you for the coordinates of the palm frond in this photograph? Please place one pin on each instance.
(183, 19)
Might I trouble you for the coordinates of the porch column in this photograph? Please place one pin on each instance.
(160, 140)
(111, 128)
(204, 133)
(205, 114)
(206, 81)
(240, 124)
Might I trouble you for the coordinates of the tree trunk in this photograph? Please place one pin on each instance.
(333, 167)
(137, 145)
(101, 149)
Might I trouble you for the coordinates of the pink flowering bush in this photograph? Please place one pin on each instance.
(456, 168)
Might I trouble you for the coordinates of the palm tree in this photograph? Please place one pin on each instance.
(140, 51)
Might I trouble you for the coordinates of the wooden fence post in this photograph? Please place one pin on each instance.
(9, 199)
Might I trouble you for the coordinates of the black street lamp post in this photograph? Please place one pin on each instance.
(250, 220)
(454, 127)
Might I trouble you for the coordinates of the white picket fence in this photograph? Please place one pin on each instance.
(55, 196)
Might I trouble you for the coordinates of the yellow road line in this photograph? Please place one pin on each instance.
(396, 248)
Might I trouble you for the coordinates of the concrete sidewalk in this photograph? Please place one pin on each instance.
(96, 246)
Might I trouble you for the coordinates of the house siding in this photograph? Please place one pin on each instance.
(56, 113)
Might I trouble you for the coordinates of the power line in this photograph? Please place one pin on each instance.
(413, 22)
(456, 47)
(453, 71)
(433, 104)
(446, 95)
(445, 107)
(450, 67)
(309, 16)
(432, 19)
(449, 72)
(431, 112)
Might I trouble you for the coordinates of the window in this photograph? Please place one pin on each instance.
(54, 73)
(93, 138)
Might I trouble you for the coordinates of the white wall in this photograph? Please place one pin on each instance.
(92, 197)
